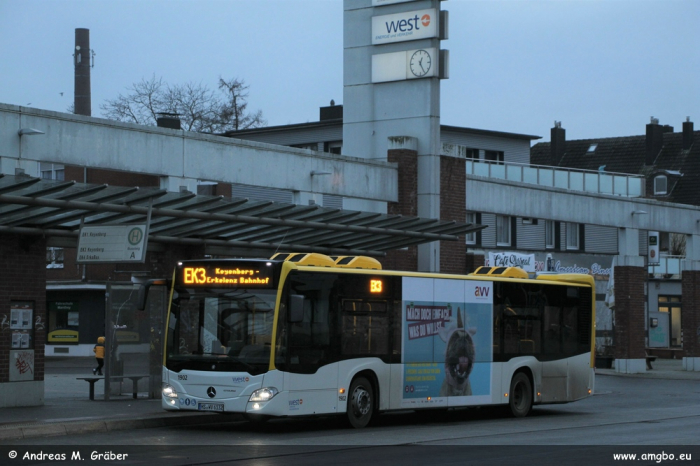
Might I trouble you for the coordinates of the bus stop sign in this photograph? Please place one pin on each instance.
(112, 243)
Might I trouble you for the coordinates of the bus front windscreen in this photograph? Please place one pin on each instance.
(220, 330)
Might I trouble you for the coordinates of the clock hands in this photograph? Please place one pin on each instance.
(420, 63)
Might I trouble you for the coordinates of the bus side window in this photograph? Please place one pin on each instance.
(511, 333)
(396, 330)
(281, 343)
(570, 330)
(552, 330)
(365, 328)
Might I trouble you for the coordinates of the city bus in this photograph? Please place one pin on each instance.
(309, 334)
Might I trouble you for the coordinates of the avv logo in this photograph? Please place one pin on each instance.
(482, 291)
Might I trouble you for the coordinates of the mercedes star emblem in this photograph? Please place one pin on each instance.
(211, 392)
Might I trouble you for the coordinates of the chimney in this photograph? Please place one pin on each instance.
(557, 144)
(81, 60)
(168, 120)
(687, 133)
(654, 140)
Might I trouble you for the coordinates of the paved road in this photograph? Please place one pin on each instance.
(654, 413)
(651, 415)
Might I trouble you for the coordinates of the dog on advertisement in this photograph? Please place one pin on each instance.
(459, 358)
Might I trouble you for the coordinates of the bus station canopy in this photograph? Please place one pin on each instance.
(225, 226)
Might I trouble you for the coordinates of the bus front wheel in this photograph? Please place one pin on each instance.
(360, 403)
(520, 395)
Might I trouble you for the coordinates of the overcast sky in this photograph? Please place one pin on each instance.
(602, 68)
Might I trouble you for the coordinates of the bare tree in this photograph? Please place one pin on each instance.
(200, 109)
(232, 112)
(677, 246)
(140, 105)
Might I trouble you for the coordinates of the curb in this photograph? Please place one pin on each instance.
(666, 375)
(87, 427)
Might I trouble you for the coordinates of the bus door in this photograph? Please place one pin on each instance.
(312, 377)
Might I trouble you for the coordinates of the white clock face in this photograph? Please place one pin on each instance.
(420, 63)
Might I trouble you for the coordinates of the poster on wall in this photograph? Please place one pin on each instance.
(447, 342)
(21, 365)
(21, 316)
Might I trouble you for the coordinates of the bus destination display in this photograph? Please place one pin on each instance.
(238, 275)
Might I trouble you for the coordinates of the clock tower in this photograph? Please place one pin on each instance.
(392, 67)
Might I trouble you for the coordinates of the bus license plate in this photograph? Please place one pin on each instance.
(211, 407)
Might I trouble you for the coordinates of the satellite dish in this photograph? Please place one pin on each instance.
(77, 47)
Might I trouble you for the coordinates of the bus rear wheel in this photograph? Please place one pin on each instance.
(520, 395)
(360, 403)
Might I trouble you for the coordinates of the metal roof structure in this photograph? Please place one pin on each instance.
(57, 209)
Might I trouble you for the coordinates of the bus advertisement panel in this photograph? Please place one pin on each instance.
(447, 341)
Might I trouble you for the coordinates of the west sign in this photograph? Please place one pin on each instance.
(409, 25)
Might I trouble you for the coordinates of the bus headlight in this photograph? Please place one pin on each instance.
(263, 394)
(169, 392)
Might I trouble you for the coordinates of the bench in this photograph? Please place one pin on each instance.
(649, 359)
(93, 380)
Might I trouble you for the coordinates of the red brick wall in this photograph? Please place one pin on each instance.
(473, 262)
(23, 278)
(404, 259)
(690, 313)
(453, 207)
(629, 334)
(162, 263)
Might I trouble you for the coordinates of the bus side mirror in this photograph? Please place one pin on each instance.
(296, 308)
(143, 291)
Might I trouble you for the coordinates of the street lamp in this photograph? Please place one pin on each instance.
(29, 132)
(24, 132)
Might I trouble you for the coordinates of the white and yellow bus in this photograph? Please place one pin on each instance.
(307, 334)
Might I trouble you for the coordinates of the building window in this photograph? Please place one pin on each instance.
(308, 146)
(206, 188)
(471, 237)
(672, 306)
(54, 258)
(572, 236)
(52, 171)
(494, 156)
(549, 240)
(502, 230)
(660, 185)
(335, 147)
(472, 154)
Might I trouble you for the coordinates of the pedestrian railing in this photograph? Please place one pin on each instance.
(616, 184)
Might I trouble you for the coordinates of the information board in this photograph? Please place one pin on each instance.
(112, 243)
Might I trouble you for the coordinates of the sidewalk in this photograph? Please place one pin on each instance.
(669, 369)
(67, 409)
